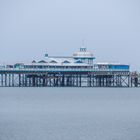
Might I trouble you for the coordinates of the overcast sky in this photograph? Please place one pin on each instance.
(111, 29)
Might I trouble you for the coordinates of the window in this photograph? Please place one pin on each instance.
(53, 61)
(42, 61)
(66, 61)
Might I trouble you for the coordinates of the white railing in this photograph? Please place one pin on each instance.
(62, 69)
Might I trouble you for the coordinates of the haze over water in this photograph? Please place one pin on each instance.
(69, 114)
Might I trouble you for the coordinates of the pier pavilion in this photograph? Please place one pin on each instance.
(78, 70)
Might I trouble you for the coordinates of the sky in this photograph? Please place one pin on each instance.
(30, 28)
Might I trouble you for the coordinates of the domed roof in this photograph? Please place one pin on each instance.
(83, 53)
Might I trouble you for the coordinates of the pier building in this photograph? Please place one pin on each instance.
(78, 70)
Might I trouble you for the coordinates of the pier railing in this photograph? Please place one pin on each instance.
(62, 70)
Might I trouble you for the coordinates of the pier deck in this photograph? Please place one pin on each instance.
(67, 78)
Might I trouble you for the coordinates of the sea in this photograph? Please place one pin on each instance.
(69, 114)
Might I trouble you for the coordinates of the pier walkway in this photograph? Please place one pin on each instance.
(54, 77)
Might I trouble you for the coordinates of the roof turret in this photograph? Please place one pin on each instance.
(83, 53)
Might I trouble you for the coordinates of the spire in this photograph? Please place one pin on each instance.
(83, 48)
(83, 42)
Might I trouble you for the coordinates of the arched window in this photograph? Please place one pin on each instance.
(66, 61)
(78, 61)
(42, 61)
(33, 61)
(53, 61)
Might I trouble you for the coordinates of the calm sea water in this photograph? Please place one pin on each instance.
(69, 114)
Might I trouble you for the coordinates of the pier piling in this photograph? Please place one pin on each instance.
(68, 79)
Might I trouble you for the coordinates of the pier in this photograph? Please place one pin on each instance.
(78, 70)
(67, 78)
